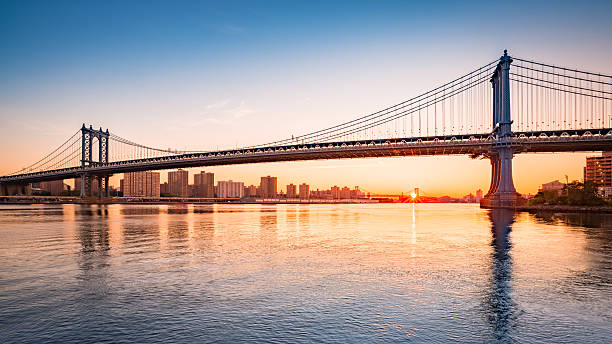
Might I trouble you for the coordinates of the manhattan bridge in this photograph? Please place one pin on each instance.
(508, 106)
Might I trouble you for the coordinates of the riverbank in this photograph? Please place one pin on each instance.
(170, 200)
(566, 208)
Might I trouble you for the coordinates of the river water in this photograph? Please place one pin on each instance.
(424, 273)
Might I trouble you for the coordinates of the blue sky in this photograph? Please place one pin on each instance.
(201, 74)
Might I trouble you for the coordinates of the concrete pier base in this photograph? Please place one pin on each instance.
(502, 193)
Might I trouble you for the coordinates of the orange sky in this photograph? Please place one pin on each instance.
(254, 76)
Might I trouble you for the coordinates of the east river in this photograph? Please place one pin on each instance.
(424, 273)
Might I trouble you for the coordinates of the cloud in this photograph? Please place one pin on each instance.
(225, 111)
(218, 105)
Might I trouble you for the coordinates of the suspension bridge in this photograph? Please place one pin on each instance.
(554, 109)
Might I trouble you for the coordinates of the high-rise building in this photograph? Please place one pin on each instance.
(163, 188)
(230, 189)
(177, 183)
(268, 187)
(291, 191)
(356, 193)
(304, 191)
(598, 170)
(141, 184)
(345, 193)
(250, 191)
(204, 184)
(54, 187)
(335, 192)
(478, 195)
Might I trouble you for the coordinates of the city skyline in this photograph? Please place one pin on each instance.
(271, 83)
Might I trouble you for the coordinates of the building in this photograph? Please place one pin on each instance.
(598, 170)
(250, 191)
(555, 186)
(141, 184)
(204, 184)
(177, 183)
(479, 195)
(356, 193)
(335, 192)
(54, 187)
(304, 191)
(163, 188)
(268, 187)
(230, 189)
(291, 191)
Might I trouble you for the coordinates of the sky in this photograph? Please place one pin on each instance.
(207, 75)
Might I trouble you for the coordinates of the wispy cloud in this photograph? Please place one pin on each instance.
(222, 112)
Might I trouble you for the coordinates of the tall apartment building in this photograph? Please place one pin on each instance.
(204, 184)
(598, 169)
(291, 191)
(177, 183)
(268, 187)
(345, 193)
(304, 191)
(163, 188)
(230, 189)
(250, 191)
(54, 187)
(335, 192)
(356, 193)
(141, 184)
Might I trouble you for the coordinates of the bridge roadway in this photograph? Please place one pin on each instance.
(476, 144)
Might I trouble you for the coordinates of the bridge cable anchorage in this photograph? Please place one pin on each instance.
(384, 112)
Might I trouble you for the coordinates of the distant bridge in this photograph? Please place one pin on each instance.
(555, 109)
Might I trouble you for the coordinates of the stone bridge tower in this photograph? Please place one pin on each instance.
(502, 193)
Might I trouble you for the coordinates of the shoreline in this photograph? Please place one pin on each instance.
(566, 208)
(169, 200)
(178, 200)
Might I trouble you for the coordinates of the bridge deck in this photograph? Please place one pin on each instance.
(475, 144)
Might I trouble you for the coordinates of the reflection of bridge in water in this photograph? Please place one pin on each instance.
(554, 109)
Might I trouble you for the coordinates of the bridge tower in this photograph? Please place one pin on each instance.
(502, 193)
(87, 159)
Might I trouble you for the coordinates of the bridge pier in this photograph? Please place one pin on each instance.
(502, 193)
(88, 187)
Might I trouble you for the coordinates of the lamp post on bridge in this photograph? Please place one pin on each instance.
(502, 193)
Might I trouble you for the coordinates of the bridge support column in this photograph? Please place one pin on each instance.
(106, 191)
(86, 189)
(502, 193)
